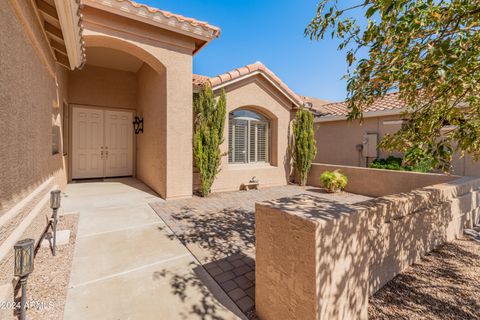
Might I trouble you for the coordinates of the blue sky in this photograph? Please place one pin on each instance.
(270, 31)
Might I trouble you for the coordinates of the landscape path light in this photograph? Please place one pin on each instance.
(24, 251)
(55, 205)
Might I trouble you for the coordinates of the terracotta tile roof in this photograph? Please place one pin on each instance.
(198, 81)
(389, 102)
(162, 16)
(314, 102)
(253, 68)
(180, 18)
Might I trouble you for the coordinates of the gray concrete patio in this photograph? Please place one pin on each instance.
(220, 232)
(128, 265)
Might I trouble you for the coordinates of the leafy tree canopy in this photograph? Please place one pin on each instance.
(428, 51)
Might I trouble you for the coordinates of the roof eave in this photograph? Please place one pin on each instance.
(68, 15)
(197, 49)
(296, 103)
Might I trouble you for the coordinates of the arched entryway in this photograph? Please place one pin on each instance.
(120, 82)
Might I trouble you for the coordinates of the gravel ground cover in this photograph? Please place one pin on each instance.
(443, 285)
(47, 285)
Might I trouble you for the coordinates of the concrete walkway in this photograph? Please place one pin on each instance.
(127, 263)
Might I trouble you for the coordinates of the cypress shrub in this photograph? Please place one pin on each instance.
(304, 145)
(208, 135)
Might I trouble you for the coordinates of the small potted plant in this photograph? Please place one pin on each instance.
(333, 181)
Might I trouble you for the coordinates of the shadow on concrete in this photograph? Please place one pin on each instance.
(214, 237)
(212, 299)
(224, 246)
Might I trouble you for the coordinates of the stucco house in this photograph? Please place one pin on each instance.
(342, 142)
(75, 77)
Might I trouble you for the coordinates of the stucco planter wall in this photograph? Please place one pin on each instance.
(377, 182)
(323, 261)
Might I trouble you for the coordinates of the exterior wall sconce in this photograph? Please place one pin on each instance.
(55, 205)
(23, 267)
(138, 125)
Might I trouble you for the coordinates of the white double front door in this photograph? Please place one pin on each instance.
(102, 143)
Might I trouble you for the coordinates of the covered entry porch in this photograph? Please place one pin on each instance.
(138, 67)
(112, 90)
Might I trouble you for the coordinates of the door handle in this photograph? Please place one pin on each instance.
(106, 154)
(101, 154)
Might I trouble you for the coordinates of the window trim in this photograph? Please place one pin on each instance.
(231, 146)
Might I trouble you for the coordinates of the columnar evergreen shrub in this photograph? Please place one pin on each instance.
(208, 136)
(304, 145)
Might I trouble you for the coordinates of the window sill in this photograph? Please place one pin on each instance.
(246, 166)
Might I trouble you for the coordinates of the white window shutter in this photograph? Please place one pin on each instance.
(230, 140)
(240, 141)
(252, 142)
(262, 142)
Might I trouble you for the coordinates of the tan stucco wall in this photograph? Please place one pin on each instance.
(337, 140)
(465, 166)
(377, 182)
(97, 86)
(259, 95)
(33, 89)
(151, 144)
(349, 251)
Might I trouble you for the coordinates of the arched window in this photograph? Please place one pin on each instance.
(248, 137)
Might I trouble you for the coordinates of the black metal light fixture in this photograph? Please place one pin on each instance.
(138, 125)
(24, 250)
(55, 205)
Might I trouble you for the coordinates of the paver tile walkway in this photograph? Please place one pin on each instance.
(220, 232)
(128, 265)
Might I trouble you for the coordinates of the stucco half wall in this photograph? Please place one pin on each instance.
(320, 259)
(377, 182)
(257, 94)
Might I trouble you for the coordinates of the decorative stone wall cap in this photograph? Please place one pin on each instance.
(315, 209)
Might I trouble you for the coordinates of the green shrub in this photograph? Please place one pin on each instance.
(208, 136)
(304, 145)
(425, 166)
(396, 163)
(391, 163)
(333, 181)
(418, 159)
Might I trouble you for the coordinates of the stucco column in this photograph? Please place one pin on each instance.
(311, 260)
(179, 128)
